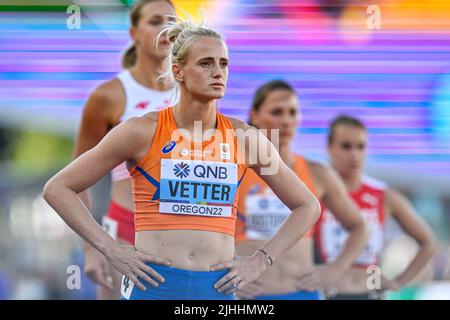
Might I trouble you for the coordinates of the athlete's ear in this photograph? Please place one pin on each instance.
(253, 117)
(177, 72)
(132, 31)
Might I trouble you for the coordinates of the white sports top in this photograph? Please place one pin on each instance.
(139, 100)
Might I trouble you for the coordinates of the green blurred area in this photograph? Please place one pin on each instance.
(57, 6)
(33, 154)
(406, 293)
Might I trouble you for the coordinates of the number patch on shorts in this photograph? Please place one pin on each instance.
(126, 287)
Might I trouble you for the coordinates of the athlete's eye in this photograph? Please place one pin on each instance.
(276, 112)
(224, 64)
(361, 146)
(156, 22)
(346, 146)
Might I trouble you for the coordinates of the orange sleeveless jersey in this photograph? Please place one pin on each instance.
(180, 184)
(261, 213)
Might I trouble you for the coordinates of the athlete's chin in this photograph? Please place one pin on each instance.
(286, 138)
(219, 96)
(216, 95)
(353, 171)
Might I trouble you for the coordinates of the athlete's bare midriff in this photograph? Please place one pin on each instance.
(187, 249)
(121, 194)
(281, 277)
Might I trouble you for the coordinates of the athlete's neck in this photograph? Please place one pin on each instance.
(353, 182)
(189, 110)
(286, 155)
(146, 72)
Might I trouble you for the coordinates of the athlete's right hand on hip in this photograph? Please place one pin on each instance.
(243, 270)
(131, 263)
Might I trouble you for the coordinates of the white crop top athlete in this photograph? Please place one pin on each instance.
(139, 100)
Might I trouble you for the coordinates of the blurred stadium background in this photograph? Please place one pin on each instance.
(396, 79)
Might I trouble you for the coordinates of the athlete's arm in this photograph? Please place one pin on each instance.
(336, 199)
(264, 159)
(399, 207)
(128, 141)
(293, 193)
(101, 112)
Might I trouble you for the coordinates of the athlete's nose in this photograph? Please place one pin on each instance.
(217, 71)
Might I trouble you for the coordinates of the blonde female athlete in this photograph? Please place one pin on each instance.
(293, 276)
(185, 185)
(347, 141)
(133, 92)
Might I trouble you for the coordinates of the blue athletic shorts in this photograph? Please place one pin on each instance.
(300, 295)
(179, 285)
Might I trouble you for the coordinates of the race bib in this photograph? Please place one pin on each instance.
(335, 237)
(264, 214)
(110, 226)
(199, 188)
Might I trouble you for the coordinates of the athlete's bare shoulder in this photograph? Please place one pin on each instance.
(138, 133)
(149, 120)
(110, 90)
(239, 124)
(151, 116)
(108, 97)
(145, 125)
(323, 174)
(318, 168)
(393, 198)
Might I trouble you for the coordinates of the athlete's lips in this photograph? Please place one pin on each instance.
(217, 84)
(354, 166)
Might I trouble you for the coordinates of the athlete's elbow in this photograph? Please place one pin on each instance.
(313, 209)
(50, 191)
(430, 247)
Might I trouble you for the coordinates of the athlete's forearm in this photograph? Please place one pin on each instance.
(69, 206)
(292, 230)
(356, 241)
(425, 253)
(85, 197)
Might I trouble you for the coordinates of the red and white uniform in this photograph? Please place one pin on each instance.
(331, 235)
(139, 100)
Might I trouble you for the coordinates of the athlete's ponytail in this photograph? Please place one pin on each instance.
(129, 57)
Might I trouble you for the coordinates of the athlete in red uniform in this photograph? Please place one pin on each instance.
(347, 142)
(294, 276)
